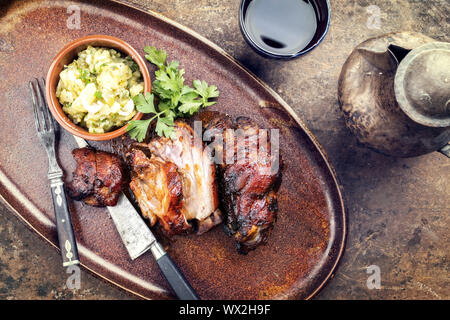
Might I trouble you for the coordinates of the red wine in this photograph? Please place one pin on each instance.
(281, 26)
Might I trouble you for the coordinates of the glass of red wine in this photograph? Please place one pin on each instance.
(284, 29)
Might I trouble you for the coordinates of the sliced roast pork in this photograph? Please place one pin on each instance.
(194, 172)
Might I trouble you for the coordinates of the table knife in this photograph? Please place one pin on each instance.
(138, 238)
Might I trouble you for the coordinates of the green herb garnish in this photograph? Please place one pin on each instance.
(98, 95)
(175, 98)
(134, 67)
(85, 76)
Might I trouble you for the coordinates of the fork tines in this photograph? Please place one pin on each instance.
(42, 117)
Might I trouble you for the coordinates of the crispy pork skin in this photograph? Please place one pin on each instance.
(158, 189)
(198, 202)
(248, 182)
(97, 179)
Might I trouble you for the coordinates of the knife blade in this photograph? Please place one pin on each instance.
(133, 231)
(138, 238)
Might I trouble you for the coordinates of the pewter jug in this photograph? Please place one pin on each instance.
(394, 91)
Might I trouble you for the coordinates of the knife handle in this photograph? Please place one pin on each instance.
(173, 275)
(66, 237)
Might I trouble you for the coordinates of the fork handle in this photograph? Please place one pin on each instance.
(66, 237)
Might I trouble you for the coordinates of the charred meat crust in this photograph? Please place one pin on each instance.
(248, 185)
(82, 184)
(97, 179)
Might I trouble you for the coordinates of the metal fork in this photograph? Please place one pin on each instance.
(47, 130)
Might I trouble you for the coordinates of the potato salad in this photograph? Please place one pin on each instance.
(96, 90)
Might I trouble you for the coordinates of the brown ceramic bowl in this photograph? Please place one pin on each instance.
(66, 56)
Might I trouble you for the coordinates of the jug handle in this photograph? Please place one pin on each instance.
(446, 150)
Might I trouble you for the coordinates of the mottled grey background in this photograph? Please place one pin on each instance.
(398, 209)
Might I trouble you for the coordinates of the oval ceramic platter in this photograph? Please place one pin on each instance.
(307, 241)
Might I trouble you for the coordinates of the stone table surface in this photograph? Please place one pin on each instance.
(398, 209)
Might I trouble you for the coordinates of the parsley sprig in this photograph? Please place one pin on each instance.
(175, 98)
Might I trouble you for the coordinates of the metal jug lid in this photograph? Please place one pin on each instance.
(422, 84)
